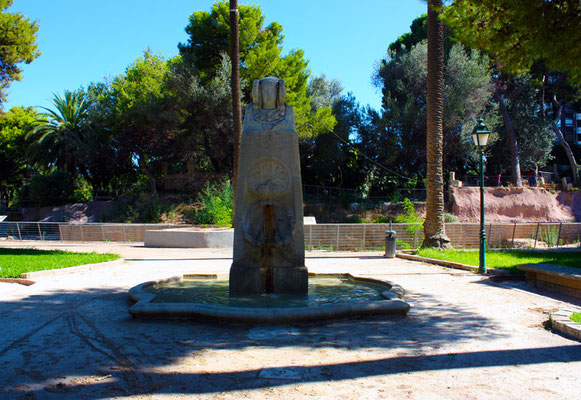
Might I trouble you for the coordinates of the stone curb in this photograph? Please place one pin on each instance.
(561, 321)
(444, 263)
(24, 282)
(70, 270)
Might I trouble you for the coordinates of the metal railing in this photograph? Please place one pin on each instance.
(324, 236)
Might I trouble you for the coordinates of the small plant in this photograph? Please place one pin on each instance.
(410, 217)
(353, 219)
(403, 245)
(549, 235)
(576, 317)
(216, 204)
(381, 219)
(450, 217)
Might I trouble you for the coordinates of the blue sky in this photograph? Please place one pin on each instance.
(86, 41)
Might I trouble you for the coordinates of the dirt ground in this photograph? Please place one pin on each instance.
(70, 336)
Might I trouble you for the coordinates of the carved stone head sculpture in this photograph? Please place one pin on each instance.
(268, 93)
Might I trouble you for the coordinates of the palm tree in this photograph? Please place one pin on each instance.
(58, 136)
(434, 228)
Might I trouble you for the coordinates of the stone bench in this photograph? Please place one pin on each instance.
(555, 277)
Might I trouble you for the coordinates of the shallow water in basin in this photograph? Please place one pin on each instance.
(322, 290)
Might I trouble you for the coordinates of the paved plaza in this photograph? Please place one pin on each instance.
(465, 337)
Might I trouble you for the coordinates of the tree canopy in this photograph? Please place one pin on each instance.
(260, 56)
(17, 45)
(519, 32)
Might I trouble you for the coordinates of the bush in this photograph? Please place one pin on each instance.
(352, 219)
(450, 217)
(381, 219)
(54, 189)
(145, 208)
(409, 216)
(216, 203)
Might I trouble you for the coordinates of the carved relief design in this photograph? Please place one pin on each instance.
(269, 179)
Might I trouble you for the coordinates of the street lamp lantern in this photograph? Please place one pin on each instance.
(480, 134)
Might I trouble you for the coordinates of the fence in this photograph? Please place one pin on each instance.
(79, 232)
(325, 236)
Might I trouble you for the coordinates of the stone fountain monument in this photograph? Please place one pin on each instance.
(269, 251)
(268, 278)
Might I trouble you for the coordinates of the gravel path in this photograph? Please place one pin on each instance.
(70, 336)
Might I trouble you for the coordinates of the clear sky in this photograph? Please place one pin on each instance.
(86, 41)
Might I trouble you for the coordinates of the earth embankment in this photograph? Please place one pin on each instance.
(509, 204)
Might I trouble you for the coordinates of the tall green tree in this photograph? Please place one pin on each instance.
(17, 45)
(145, 118)
(58, 135)
(519, 32)
(206, 132)
(260, 56)
(330, 159)
(14, 169)
(403, 81)
(523, 100)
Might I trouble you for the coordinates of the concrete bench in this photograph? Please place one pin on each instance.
(555, 277)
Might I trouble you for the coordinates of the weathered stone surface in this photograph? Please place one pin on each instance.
(269, 254)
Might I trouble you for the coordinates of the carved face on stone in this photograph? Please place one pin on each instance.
(268, 93)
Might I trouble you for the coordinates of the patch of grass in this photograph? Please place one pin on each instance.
(505, 259)
(576, 317)
(17, 261)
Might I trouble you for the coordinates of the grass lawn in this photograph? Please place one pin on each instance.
(506, 259)
(576, 317)
(16, 261)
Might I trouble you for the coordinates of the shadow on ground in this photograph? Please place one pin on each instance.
(85, 344)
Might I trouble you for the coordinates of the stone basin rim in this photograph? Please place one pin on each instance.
(392, 303)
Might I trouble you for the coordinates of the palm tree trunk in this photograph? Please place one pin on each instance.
(434, 227)
(512, 142)
(235, 83)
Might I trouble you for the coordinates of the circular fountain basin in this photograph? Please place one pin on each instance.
(207, 296)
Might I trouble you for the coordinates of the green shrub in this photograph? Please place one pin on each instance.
(216, 203)
(409, 216)
(402, 244)
(54, 189)
(381, 219)
(353, 219)
(450, 217)
(82, 190)
(576, 317)
(549, 235)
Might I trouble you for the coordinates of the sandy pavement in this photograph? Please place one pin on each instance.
(70, 337)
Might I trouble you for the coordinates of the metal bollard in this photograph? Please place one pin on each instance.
(390, 243)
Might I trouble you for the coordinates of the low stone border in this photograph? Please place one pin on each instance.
(145, 308)
(70, 270)
(561, 321)
(24, 282)
(450, 264)
(554, 277)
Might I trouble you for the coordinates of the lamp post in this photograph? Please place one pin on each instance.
(480, 135)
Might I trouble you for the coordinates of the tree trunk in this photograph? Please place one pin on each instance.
(235, 84)
(512, 143)
(434, 227)
(563, 142)
(152, 182)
